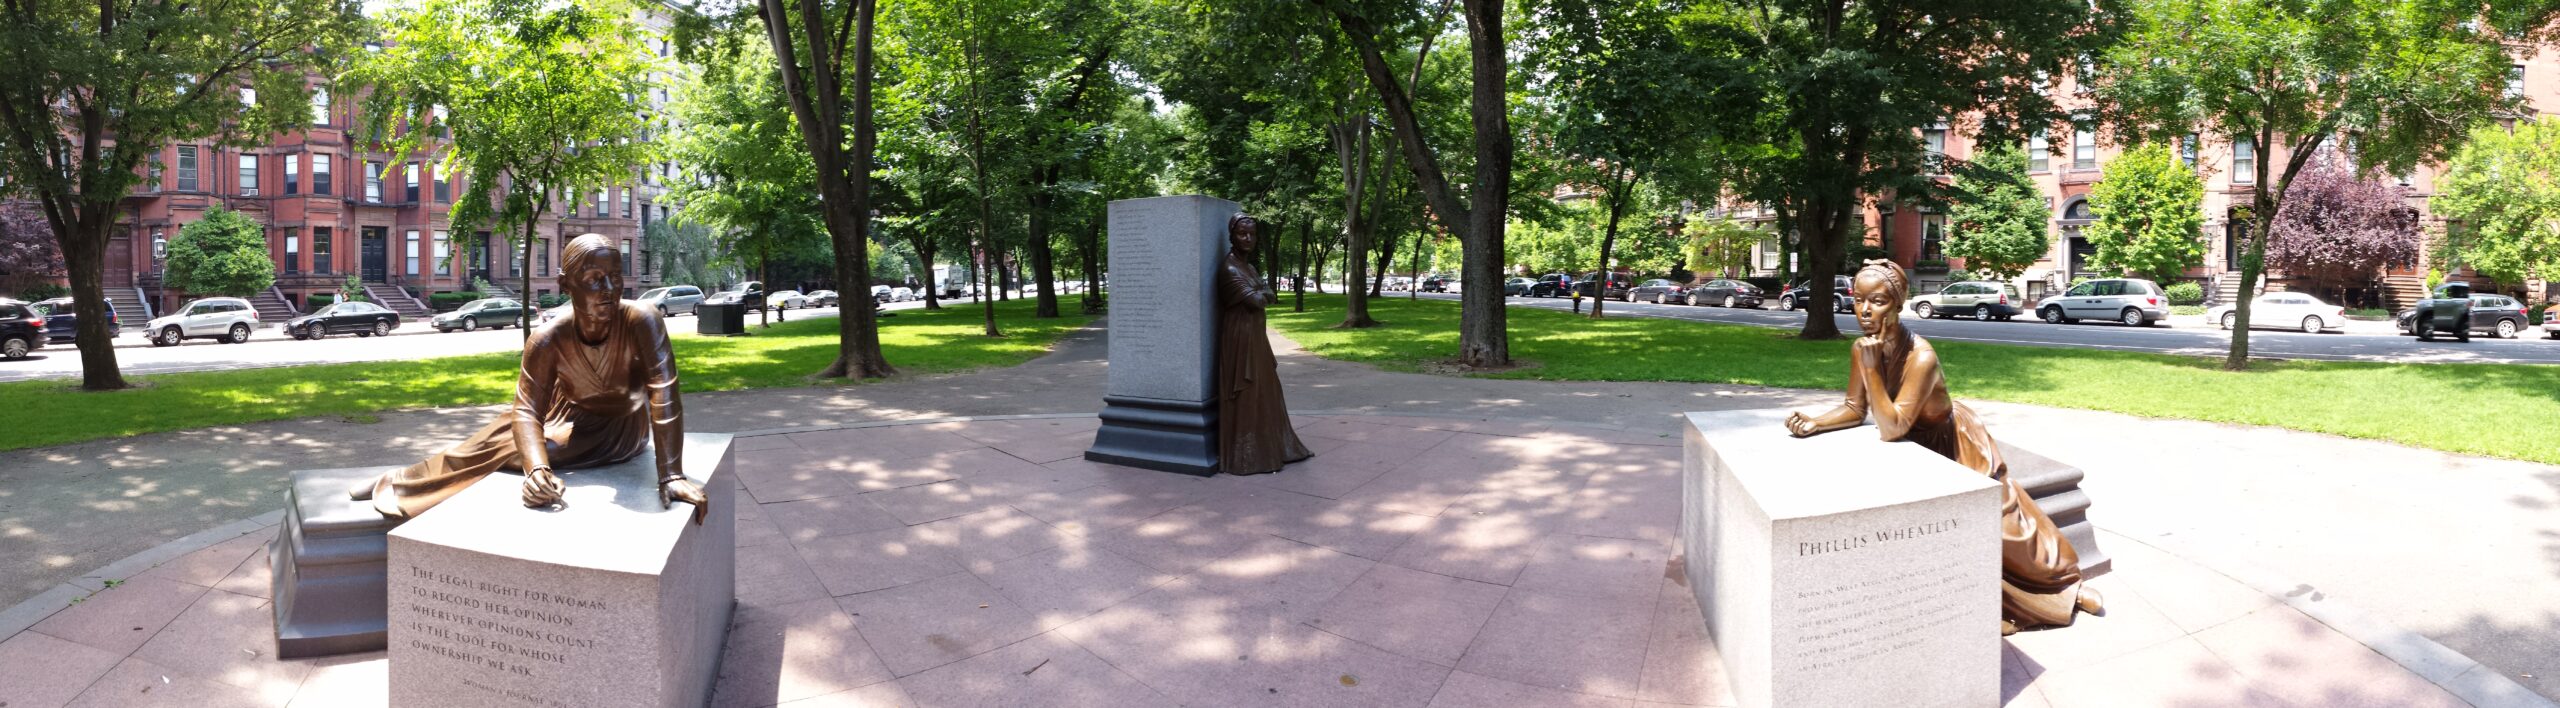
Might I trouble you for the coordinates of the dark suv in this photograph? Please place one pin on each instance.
(1794, 295)
(1617, 288)
(2453, 304)
(1552, 285)
(21, 329)
(61, 324)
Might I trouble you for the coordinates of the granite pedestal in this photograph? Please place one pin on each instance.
(327, 563)
(608, 601)
(1841, 570)
(1156, 409)
(2056, 488)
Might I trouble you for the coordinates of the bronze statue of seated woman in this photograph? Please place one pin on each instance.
(595, 388)
(1895, 378)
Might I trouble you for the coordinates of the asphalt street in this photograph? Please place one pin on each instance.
(2365, 341)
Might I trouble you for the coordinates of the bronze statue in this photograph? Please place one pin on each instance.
(1894, 375)
(596, 388)
(1254, 435)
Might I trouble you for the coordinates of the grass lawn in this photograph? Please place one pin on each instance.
(916, 342)
(2496, 410)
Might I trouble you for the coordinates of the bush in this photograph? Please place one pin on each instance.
(43, 291)
(2186, 294)
(448, 302)
(551, 300)
(354, 289)
(315, 302)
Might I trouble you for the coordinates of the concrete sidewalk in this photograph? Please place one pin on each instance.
(2460, 549)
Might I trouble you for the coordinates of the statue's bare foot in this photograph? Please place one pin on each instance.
(2090, 601)
(2008, 628)
(364, 492)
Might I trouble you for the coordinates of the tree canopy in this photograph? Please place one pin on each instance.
(2338, 229)
(223, 253)
(2503, 190)
(1999, 218)
(2150, 214)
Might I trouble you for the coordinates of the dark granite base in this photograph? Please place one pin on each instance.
(1146, 433)
(2056, 488)
(328, 567)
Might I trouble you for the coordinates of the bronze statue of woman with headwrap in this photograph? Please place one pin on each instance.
(1894, 376)
(596, 388)
(1254, 435)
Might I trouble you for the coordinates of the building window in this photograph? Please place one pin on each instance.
(442, 131)
(626, 202)
(444, 188)
(2039, 153)
(320, 174)
(412, 253)
(248, 175)
(319, 106)
(248, 98)
(602, 204)
(292, 250)
(645, 263)
(2244, 161)
(320, 249)
(541, 256)
(2084, 148)
(293, 174)
(444, 254)
(187, 168)
(645, 209)
(2515, 81)
(373, 181)
(413, 183)
(1933, 235)
(2187, 150)
(630, 258)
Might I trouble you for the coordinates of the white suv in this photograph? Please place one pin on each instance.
(229, 319)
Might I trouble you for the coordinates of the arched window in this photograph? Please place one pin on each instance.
(2077, 210)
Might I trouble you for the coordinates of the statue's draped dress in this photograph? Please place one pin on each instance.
(1254, 435)
(2039, 572)
(588, 405)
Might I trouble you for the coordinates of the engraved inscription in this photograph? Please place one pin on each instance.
(1161, 259)
(498, 629)
(1873, 615)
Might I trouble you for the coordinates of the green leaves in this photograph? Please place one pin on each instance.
(2504, 190)
(1999, 217)
(2150, 212)
(222, 254)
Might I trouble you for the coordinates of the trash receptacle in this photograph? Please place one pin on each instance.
(727, 319)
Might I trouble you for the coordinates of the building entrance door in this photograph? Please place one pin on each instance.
(480, 257)
(377, 261)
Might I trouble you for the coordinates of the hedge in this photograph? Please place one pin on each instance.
(448, 302)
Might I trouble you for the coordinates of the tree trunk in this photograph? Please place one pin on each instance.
(1413, 290)
(1484, 339)
(85, 254)
(2263, 203)
(924, 258)
(1351, 146)
(1301, 285)
(1043, 261)
(1618, 190)
(1093, 268)
(858, 353)
(987, 279)
(525, 318)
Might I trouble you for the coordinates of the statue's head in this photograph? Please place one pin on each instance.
(1243, 233)
(1880, 289)
(591, 275)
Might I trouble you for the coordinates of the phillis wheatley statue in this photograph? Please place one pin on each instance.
(595, 388)
(1254, 435)
(1894, 376)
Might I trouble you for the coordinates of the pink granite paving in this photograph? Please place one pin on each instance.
(1415, 562)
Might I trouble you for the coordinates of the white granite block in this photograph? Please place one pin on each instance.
(1841, 570)
(1165, 253)
(607, 601)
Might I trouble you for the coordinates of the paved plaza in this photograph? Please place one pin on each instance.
(1416, 561)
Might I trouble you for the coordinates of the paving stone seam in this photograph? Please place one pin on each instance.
(26, 614)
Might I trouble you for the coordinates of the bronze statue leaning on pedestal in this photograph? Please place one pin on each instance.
(1254, 435)
(595, 388)
(1894, 376)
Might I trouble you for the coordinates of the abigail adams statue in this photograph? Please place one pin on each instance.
(1254, 435)
(1894, 377)
(596, 388)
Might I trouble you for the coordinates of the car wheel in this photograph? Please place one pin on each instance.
(15, 347)
(1728, 301)
(2462, 335)
(239, 333)
(1787, 303)
(381, 328)
(300, 334)
(315, 331)
(2133, 318)
(2506, 329)
(1981, 314)
(470, 324)
(168, 338)
(2229, 319)
(2311, 325)
(2052, 315)
(1925, 311)
(2425, 330)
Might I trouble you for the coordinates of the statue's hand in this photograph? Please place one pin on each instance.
(1798, 425)
(542, 488)
(684, 490)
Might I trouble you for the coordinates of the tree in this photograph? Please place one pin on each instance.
(2150, 214)
(1479, 216)
(223, 253)
(29, 257)
(1720, 248)
(538, 101)
(831, 103)
(2336, 229)
(751, 170)
(2403, 81)
(686, 250)
(91, 91)
(1851, 85)
(2504, 190)
(1999, 216)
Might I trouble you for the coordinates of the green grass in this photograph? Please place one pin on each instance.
(2478, 409)
(2186, 309)
(916, 342)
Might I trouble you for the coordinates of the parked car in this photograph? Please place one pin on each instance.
(556, 312)
(673, 299)
(2282, 311)
(749, 293)
(1437, 283)
(902, 294)
(2458, 310)
(827, 298)
(229, 319)
(2132, 301)
(1399, 283)
(1590, 285)
(365, 319)
(1517, 287)
(1725, 291)
(492, 312)
(22, 329)
(880, 293)
(1794, 295)
(1659, 291)
(786, 299)
(1552, 285)
(1978, 299)
(2551, 322)
(61, 324)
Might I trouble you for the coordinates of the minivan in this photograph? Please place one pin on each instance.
(2132, 301)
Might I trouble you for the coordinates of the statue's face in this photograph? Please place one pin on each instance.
(1879, 307)
(593, 289)
(1248, 233)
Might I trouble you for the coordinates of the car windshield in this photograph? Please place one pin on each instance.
(654, 294)
(477, 304)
